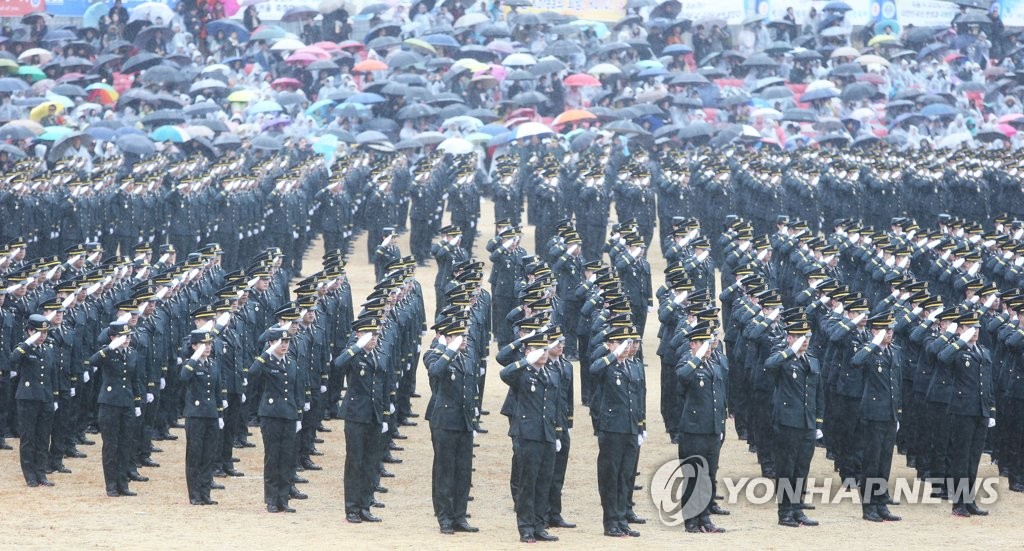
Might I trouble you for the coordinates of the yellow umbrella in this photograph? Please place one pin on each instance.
(43, 109)
(471, 64)
(9, 64)
(421, 44)
(879, 39)
(241, 96)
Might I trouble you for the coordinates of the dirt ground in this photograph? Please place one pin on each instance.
(77, 513)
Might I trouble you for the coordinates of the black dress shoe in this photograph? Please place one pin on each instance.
(33, 484)
(414, 415)
(235, 460)
(407, 423)
(237, 445)
(384, 473)
(544, 535)
(465, 527)
(136, 477)
(113, 493)
(807, 506)
(170, 436)
(5, 446)
(708, 527)
(527, 538)
(196, 502)
(1017, 487)
(216, 486)
(391, 459)
(377, 504)
(971, 508)
(480, 429)
(559, 522)
(299, 480)
(399, 436)
(871, 514)
(233, 472)
(884, 512)
(322, 428)
(804, 520)
(287, 509)
(86, 442)
(316, 452)
(447, 528)
(368, 516)
(75, 454)
(248, 445)
(380, 489)
(614, 533)
(154, 449)
(630, 532)
(395, 447)
(692, 526)
(960, 511)
(208, 501)
(353, 518)
(273, 509)
(318, 441)
(128, 493)
(417, 394)
(788, 520)
(62, 469)
(219, 473)
(295, 494)
(633, 519)
(309, 465)
(717, 509)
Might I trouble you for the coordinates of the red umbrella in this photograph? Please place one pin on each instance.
(581, 79)
(351, 45)
(285, 83)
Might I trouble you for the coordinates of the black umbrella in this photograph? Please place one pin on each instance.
(136, 144)
(404, 58)
(529, 98)
(135, 95)
(212, 124)
(479, 53)
(9, 85)
(546, 66)
(322, 65)
(227, 140)
(859, 91)
(625, 127)
(696, 130)
(76, 63)
(415, 111)
(485, 115)
(265, 142)
(519, 75)
(799, 115)
(387, 29)
(141, 61)
(453, 110)
(15, 132)
(12, 151)
(563, 48)
(973, 18)
(162, 74)
(669, 9)
(162, 117)
(848, 69)
(374, 9)
(149, 33)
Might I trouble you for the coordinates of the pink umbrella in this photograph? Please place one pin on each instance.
(301, 58)
(230, 7)
(327, 46)
(320, 53)
(1011, 117)
(1007, 129)
(501, 46)
(581, 79)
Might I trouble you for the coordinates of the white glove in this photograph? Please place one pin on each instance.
(149, 398)
(592, 278)
(384, 427)
(56, 406)
(773, 314)
(245, 381)
(640, 440)
(163, 382)
(364, 339)
(897, 426)
(702, 256)
(572, 248)
(224, 404)
(33, 338)
(797, 345)
(298, 425)
(933, 314)
(14, 374)
(989, 301)
(838, 309)
(620, 350)
(243, 397)
(703, 350)
(917, 310)
(991, 422)
(220, 423)
(878, 338)
(117, 342)
(856, 321)
(474, 434)
(138, 412)
(968, 334)
(72, 392)
(818, 434)
(558, 445)
(198, 353)
(391, 408)
(533, 356)
(455, 343)
(952, 327)
(274, 345)
(323, 389)
(680, 298)
(386, 241)
(507, 243)
(823, 300)
(85, 377)
(305, 407)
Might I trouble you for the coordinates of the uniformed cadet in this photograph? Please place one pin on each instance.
(366, 418)
(120, 400)
(37, 396)
(702, 380)
(203, 416)
(452, 417)
(621, 424)
(797, 409)
(536, 411)
(280, 409)
(881, 362)
(66, 350)
(560, 367)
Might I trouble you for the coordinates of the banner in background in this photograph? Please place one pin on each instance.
(926, 13)
(593, 10)
(733, 11)
(77, 8)
(18, 8)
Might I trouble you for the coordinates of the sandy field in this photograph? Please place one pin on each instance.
(77, 514)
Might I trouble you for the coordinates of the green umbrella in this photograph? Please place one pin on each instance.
(31, 71)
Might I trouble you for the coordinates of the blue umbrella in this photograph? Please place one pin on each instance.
(493, 129)
(168, 134)
(352, 110)
(91, 17)
(321, 104)
(228, 26)
(501, 139)
(265, 106)
(441, 40)
(100, 133)
(652, 72)
(936, 110)
(837, 6)
(128, 131)
(366, 98)
(54, 133)
(677, 49)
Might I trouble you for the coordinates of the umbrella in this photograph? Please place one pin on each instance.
(161, 74)
(201, 108)
(369, 65)
(858, 91)
(44, 55)
(529, 98)
(374, 9)
(69, 90)
(227, 26)
(573, 115)
(287, 45)
(268, 32)
(766, 113)
(954, 140)
(529, 129)
(10, 85)
(759, 60)
(266, 142)
(169, 134)
(845, 51)
(937, 110)
(230, 140)
(151, 11)
(519, 60)
(581, 79)
(207, 84)
(136, 144)
(799, 115)
(625, 127)
(143, 60)
(415, 111)
(43, 109)
(12, 151)
(442, 40)
(265, 106)
(456, 146)
(837, 6)
(563, 48)
(242, 96)
(299, 13)
(471, 19)
(696, 131)
(605, 69)
(54, 133)
(162, 117)
(548, 65)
